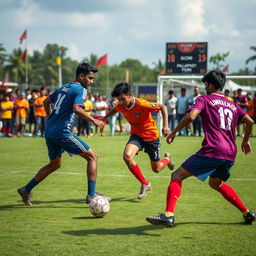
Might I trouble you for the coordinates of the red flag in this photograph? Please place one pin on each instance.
(5, 80)
(225, 69)
(23, 56)
(102, 61)
(23, 36)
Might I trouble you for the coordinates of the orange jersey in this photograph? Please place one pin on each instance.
(22, 106)
(140, 118)
(40, 111)
(250, 108)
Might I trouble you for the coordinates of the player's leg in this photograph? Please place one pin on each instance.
(173, 194)
(152, 148)
(231, 196)
(133, 146)
(25, 192)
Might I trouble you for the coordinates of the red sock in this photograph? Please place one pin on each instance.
(231, 196)
(165, 161)
(8, 130)
(138, 174)
(173, 193)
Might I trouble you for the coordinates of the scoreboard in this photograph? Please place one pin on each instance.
(186, 58)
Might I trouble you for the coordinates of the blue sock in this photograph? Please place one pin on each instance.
(31, 185)
(91, 187)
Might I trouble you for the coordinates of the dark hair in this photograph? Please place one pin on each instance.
(217, 78)
(85, 68)
(121, 88)
(183, 89)
(170, 92)
(239, 90)
(227, 91)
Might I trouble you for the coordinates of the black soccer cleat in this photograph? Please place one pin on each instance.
(249, 218)
(26, 197)
(161, 219)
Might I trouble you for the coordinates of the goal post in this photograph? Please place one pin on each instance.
(175, 82)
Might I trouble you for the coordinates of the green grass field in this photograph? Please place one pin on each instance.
(59, 222)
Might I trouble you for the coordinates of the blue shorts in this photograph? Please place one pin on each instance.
(202, 167)
(73, 145)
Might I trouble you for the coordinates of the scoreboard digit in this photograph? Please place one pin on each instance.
(186, 58)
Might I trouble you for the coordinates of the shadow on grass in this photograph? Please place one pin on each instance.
(37, 204)
(47, 204)
(140, 231)
(209, 223)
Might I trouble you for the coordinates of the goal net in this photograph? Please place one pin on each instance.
(175, 83)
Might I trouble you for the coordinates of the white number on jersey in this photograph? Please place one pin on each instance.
(57, 104)
(226, 117)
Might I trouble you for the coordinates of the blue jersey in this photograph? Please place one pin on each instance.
(60, 122)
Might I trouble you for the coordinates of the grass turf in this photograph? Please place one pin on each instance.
(59, 223)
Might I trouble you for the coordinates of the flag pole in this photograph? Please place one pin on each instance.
(60, 75)
(107, 80)
(26, 62)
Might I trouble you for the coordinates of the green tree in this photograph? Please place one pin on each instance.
(15, 68)
(252, 58)
(217, 60)
(3, 57)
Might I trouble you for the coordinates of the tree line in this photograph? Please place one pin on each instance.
(43, 70)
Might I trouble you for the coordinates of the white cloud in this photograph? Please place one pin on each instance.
(91, 20)
(192, 16)
(74, 52)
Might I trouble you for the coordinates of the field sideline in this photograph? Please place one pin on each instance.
(59, 222)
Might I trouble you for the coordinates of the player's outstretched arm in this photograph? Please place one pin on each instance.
(109, 114)
(186, 120)
(246, 146)
(47, 106)
(164, 112)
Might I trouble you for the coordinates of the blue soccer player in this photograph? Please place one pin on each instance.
(61, 107)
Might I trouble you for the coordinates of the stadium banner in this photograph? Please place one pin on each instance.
(147, 92)
(186, 58)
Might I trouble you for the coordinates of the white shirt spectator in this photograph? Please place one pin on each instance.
(100, 104)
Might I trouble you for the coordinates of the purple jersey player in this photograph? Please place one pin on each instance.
(217, 154)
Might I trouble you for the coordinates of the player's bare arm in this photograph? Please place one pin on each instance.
(82, 114)
(187, 119)
(109, 114)
(47, 106)
(246, 146)
(164, 112)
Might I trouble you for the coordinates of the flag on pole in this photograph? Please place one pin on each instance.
(102, 61)
(5, 80)
(23, 36)
(225, 69)
(58, 59)
(23, 56)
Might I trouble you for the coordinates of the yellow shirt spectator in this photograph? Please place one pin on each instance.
(6, 114)
(39, 110)
(22, 107)
(88, 107)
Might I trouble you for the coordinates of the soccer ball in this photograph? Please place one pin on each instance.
(99, 206)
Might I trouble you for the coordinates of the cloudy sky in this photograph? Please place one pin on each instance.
(131, 28)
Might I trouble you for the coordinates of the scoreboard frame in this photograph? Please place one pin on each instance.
(186, 58)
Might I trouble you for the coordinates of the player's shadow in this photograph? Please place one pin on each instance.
(45, 204)
(209, 223)
(140, 231)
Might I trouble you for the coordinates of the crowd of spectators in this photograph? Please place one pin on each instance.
(22, 113)
(178, 107)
